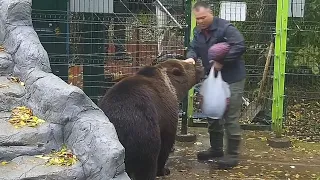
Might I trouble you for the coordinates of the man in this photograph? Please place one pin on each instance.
(209, 31)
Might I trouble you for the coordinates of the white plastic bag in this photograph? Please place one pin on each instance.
(215, 93)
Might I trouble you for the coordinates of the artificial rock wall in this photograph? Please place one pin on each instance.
(71, 117)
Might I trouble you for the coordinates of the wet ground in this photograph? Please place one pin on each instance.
(257, 161)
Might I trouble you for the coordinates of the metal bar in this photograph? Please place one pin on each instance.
(169, 14)
(191, 91)
(68, 32)
(184, 121)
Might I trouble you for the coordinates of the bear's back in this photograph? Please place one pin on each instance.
(131, 106)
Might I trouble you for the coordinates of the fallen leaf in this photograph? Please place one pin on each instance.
(3, 85)
(42, 157)
(182, 170)
(23, 116)
(4, 163)
(64, 157)
(198, 143)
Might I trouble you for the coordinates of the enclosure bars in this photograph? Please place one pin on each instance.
(192, 22)
(279, 65)
(186, 100)
(168, 13)
(68, 33)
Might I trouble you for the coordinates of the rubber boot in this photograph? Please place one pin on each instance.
(231, 159)
(216, 149)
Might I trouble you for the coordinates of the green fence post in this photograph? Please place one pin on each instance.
(279, 66)
(191, 91)
(187, 104)
(184, 121)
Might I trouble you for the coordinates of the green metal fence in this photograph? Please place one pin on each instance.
(302, 84)
(257, 23)
(92, 44)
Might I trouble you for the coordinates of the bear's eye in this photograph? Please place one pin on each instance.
(176, 72)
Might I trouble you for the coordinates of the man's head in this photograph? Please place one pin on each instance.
(203, 14)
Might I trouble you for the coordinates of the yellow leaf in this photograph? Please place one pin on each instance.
(23, 116)
(43, 157)
(4, 163)
(22, 123)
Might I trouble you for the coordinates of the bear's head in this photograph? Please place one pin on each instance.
(180, 76)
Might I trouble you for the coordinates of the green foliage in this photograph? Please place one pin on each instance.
(308, 56)
(304, 38)
(143, 18)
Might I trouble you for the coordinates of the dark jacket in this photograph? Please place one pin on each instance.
(220, 31)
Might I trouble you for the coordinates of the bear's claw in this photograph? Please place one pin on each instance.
(164, 172)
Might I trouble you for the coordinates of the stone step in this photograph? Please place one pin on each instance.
(6, 63)
(30, 167)
(28, 140)
(11, 94)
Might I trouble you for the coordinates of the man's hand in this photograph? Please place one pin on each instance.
(190, 60)
(217, 66)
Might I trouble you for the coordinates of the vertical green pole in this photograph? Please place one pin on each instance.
(279, 66)
(184, 121)
(191, 91)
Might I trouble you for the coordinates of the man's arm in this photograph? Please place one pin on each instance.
(236, 41)
(191, 49)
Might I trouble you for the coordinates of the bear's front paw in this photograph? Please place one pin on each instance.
(163, 172)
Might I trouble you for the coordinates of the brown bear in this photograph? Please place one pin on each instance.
(144, 110)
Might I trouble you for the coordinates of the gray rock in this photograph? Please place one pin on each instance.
(18, 13)
(53, 99)
(28, 167)
(45, 135)
(4, 116)
(11, 94)
(8, 153)
(2, 22)
(27, 55)
(86, 130)
(94, 139)
(6, 64)
(16, 18)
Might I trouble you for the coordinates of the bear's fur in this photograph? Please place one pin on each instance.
(144, 110)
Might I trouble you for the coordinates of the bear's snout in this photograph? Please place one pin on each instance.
(200, 72)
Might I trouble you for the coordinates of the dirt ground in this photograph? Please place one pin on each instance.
(257, 161)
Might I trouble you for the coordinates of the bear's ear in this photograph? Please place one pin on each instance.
(148, 71)
(176, 71)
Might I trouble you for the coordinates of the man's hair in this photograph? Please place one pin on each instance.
(202, 4)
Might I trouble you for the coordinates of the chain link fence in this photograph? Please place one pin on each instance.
(256, 21)
(302, 87)
(93, 45)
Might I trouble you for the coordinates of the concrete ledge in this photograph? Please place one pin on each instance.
(11, 94)
(28, 167)
(282, 142)
(186, 137)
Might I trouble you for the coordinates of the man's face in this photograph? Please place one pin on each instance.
(203, 17)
